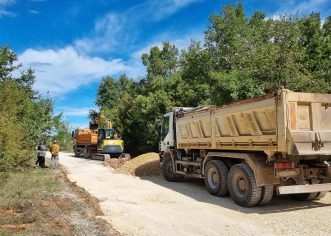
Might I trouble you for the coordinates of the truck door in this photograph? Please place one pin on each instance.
(167, 132)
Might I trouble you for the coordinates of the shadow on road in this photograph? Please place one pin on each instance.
(195, 189)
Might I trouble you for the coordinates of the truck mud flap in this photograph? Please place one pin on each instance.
(313, 188)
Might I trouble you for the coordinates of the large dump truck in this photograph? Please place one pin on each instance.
(250, 148)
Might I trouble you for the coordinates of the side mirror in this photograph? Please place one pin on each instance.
(73, 134)
(157, 124)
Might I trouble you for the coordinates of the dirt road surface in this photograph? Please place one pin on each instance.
(152, 206)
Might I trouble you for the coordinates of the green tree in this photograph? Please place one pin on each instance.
(25, 116)
(160, 62)
(63, 136)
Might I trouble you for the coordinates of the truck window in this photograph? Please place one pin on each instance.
(165, 127)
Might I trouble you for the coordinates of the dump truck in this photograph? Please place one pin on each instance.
(100, 141)
(249, 149)
(84, 140)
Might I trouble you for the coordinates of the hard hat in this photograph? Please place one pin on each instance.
(55, 141)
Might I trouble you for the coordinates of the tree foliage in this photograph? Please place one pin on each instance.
(25, 116)
(242, 56)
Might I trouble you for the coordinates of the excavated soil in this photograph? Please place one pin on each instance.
(144, 165)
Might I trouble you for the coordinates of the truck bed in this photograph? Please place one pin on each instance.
(290, 123)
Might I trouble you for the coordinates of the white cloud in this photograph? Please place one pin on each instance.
(65, 70)
(3, 11)
(169, 7)
(108, 34)
(7, 2)
(34, 12)
(6, 13)
(118, 31)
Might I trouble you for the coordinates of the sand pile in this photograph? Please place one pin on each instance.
(143, 165)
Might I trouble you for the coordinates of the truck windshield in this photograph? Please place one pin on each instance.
(165, 127)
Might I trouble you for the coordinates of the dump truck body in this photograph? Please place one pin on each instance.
(83, 139)
(283, 138)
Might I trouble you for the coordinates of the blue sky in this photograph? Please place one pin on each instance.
(71, 44)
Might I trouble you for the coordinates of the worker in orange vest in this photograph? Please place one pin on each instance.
(55, 149)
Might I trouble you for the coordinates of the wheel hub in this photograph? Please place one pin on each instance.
(213, 178)
(242, 185)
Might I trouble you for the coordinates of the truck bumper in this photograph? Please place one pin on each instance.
(312, 188)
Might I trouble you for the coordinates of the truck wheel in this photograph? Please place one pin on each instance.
(266, 194)
(168, 171)
(86, 153)
(216, 178)
(303, 196)
(242, 186)
(320, 195)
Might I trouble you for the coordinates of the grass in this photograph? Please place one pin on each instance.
(20, 196)
(43, 202)
(28, 185)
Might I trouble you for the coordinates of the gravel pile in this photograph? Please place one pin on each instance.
(144, 165)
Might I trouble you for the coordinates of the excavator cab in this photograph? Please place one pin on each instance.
(109, 142)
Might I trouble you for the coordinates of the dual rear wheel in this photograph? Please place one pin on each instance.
(239, 181)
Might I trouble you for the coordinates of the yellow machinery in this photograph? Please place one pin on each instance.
(108, 140)
(100, 141)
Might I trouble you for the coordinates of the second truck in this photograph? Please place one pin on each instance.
(249, 149)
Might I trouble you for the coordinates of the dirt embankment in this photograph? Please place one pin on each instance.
(44, 202)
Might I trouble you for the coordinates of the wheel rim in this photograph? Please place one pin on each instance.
(213, 177)
(240, 185)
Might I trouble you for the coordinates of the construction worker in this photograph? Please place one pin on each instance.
(55, 148)
(41, 155)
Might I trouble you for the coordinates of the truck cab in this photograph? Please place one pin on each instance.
(168, 129)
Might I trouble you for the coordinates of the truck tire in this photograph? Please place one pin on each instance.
(303, 196)
(216, 178)
(242, 186)
(168, 171)
(86, 153)
(266, 194)
(320, 195)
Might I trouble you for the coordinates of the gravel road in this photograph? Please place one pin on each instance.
(152, 206)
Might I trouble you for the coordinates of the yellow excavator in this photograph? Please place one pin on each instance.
(108, 140)
(100, 141)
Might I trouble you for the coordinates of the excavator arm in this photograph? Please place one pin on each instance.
(102, 119)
